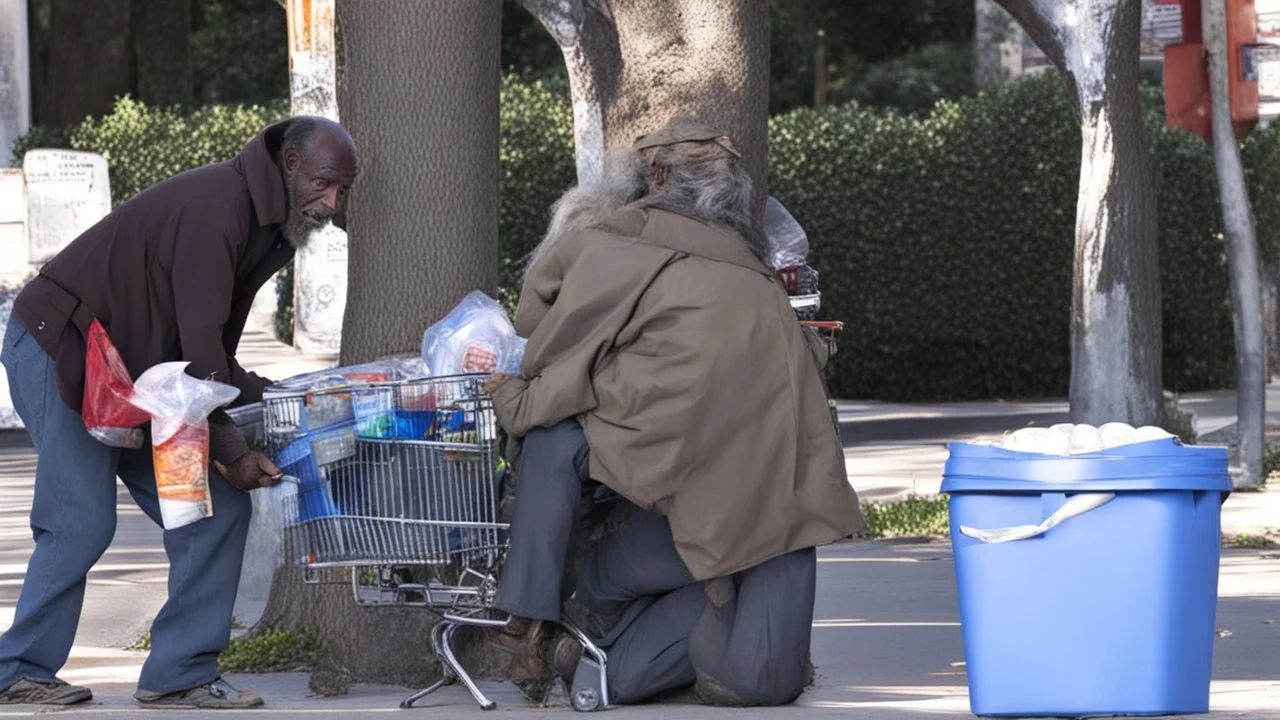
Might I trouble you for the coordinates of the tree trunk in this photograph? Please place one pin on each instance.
(634, 64)
(162, 51)
(694, 57)
(588, 38)
(420, 97)
(1242, 255)
(38, 30)
(89, 62)
(1116, 336)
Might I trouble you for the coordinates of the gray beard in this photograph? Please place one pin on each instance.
(298, 230)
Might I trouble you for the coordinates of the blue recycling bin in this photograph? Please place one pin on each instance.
(1088, 583)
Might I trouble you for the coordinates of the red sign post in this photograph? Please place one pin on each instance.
(1186, 71)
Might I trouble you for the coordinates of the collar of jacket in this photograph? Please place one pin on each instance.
(262, 175)
(673, 231)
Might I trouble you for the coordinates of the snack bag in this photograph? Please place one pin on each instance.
(108, 414)
(179, 406)
(476, 337)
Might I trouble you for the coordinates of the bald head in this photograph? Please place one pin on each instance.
(318, 161)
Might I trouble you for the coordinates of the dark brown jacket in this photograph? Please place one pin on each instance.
(171, 275)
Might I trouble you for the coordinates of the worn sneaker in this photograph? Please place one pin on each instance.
(217, 695)
(44, 692)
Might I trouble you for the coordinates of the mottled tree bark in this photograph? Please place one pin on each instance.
(634, 64)
(420, 97)
(1116, 335)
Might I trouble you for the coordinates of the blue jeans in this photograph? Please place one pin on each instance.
(73, 518)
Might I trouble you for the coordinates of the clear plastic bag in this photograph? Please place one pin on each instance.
(475, 337)
(179, 406)
(788, 245)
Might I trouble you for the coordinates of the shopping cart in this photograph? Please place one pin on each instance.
(397, 485)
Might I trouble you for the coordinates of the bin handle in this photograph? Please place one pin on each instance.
(1077, 505)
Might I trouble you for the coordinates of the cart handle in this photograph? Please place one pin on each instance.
(835, 325)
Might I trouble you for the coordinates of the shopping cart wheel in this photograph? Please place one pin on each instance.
(586, 699)
(590, 684)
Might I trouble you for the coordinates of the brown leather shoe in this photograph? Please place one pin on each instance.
(566, 653)
(525, 641)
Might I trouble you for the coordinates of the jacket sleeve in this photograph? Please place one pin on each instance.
(203, 280)
(590, 297)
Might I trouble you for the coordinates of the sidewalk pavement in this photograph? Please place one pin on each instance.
(895, 450)
(886, 635)
(886, 641)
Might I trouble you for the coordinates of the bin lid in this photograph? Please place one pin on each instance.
(1164, 464)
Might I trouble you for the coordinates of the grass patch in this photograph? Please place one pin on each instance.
(916, 516)
(269, 651)
(1250, 540)
(1271, 464)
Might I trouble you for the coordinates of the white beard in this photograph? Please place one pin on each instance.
(586, 205)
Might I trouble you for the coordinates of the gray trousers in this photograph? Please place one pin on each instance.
(748, 647)
(73, 518)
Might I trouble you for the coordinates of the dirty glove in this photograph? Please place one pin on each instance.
(253, 470)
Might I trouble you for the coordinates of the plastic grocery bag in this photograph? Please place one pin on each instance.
(1076, 439)
(475, 337)
(179, 406)
(788, 245)
(109, 415)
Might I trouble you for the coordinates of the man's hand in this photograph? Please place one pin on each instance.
(494, 382)
(253, 470)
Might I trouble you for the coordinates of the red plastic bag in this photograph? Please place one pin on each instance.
(108, 414)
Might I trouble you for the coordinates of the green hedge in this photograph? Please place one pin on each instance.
(536, 164)
(945, 242)
(944, 239)
(144, 145)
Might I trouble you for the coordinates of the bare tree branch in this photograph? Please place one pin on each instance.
(562, 18)
(1039, 18)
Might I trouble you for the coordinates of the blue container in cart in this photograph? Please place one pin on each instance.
(1087, 583)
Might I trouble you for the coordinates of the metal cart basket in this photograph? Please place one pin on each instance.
(397, 485)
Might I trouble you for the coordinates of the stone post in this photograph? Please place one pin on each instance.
(320, 268)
